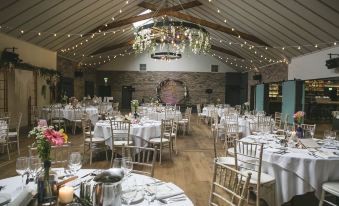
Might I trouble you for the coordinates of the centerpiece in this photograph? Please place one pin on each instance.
(45, 138)
(135, 105)
(298, 118)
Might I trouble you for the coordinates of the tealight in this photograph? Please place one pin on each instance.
(66, 194)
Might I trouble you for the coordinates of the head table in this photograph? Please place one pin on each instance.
(164, 192)
(145, 130)
(297, 171)
(159, 113)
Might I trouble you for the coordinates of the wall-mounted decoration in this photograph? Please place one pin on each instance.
(172, 91)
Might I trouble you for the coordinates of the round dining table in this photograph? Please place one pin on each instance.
(297, 171)
(160, 113)
(143, 185)
(141, 132)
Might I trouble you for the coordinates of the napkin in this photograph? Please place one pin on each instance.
(22, 199)
(166, 190)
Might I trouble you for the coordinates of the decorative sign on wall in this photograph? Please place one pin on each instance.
(172, 91)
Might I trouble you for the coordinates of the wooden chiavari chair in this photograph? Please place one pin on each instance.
(248, 158)
(143, 159)
(121, 136)
(92, 144)
(4, 129)
(14, 136)
(162, 142)
(229, 186)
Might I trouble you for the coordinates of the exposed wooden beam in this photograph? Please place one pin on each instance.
(154, 7)
(217, 27)
(226, 51)
(126, 21)
(129, 43)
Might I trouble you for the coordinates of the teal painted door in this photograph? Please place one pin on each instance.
(288, 99)
(259, 97)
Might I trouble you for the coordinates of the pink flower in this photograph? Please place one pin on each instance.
(54, 137)
(42, 123)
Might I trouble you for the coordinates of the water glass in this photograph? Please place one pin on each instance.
(128, 166)
(22, 166)
(74, 162)
(119, 163)
(35, 166)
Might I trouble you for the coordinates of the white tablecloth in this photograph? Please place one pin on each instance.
(296, 172)
(147, 130)
(13, 188)
(208, 110)
(158, 113)
(68, 113)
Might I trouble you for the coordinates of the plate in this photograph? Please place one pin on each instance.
(5, 199)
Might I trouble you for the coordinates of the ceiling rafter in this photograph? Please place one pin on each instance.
(170, 12)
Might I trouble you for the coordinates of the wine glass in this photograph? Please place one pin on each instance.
(74, 162)
(21, 168)
(34, 166)
(128, 167)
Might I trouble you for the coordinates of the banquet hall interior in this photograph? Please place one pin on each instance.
(169, 102)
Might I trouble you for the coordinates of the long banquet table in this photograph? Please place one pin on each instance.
(165, 191)
(297, 171)
(141, 131)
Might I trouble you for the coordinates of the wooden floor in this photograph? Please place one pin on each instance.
(190, 169)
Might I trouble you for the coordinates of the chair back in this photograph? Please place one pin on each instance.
(277, 120)
(143, 158)
(198, 108)
(120, 131)
(59, 154)
(231, 119)
(115, 106)
(265, 123)
(229, 186)
(86, 129)
(4, 129)
(308, 129)
(248, 156)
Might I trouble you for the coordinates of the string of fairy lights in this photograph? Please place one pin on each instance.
(255, 48)
(262, 58)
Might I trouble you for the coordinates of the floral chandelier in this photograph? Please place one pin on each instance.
(175, 36)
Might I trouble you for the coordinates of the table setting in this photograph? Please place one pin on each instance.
(115, 186)
(299, 165)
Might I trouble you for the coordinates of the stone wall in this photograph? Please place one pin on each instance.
(145, 83)
(67, 68)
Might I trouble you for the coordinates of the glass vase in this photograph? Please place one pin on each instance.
(299, 132)
(47, 193)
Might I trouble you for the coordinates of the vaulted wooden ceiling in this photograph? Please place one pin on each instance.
(270, 30)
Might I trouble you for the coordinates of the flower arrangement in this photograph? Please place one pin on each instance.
(45, 138)
(298, 117)
(135, 103)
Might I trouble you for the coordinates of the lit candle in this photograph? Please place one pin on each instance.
(66, 194)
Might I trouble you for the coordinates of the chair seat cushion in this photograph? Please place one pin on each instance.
(89, 133)
(58, 120)
(226, 160)
(230, 151)
(331, 187)
(122, 142)
(157, 140)
(95, 139)
(264, 178)
(12, 134)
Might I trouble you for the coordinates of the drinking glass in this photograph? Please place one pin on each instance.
(128, 167)
(21, 168)
(35, 166)
(74, 162)
(119, 163)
